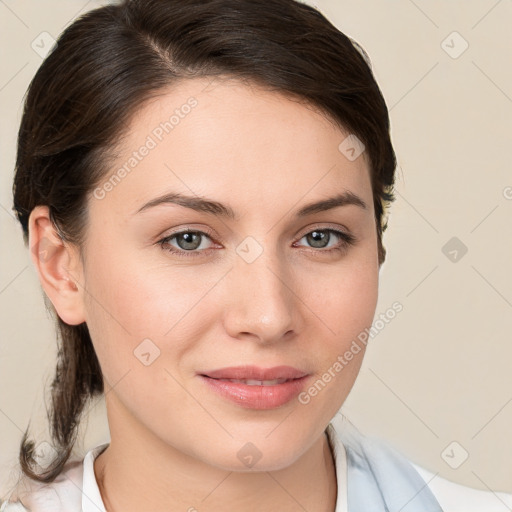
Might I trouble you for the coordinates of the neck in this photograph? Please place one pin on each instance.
(139, 472)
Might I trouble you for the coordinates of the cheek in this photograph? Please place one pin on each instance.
(135, 309)
(344, 309)
(343, 299)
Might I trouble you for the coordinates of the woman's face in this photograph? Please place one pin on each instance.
(259, 283)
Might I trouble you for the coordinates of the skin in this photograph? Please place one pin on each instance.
(174, 442)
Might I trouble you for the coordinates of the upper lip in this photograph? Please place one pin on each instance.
(255, 373)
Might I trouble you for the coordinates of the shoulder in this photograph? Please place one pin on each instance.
(64, 494)
(74, 490)
(455, 497)
(379, 459)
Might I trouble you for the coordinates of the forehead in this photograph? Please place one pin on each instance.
(225, 138)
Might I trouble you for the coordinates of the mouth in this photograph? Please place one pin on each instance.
(254, 387)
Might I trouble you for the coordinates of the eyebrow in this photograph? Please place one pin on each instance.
(216, 208)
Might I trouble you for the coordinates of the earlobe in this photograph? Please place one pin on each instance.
(58, 267)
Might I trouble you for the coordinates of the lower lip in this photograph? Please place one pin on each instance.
(257, 397)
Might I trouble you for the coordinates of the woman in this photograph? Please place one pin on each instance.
(204, 188)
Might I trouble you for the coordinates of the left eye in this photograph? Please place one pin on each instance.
(320, 237)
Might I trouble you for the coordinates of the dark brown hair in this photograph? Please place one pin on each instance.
(107, 63)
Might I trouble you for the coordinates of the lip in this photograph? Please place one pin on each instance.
(256, 396)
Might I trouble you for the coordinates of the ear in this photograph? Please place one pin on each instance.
(58, 266)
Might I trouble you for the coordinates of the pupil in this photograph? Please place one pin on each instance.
(318, 237)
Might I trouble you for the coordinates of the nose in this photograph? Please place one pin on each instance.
(263, 304)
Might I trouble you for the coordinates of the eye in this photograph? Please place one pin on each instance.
(188, 243)
(320, 238)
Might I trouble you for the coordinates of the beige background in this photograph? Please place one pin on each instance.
(440, 371)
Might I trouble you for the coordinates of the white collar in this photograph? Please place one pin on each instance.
(91, 496)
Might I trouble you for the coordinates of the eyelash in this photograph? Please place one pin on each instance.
(347, 240)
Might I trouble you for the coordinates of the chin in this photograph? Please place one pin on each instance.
(260, 451)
